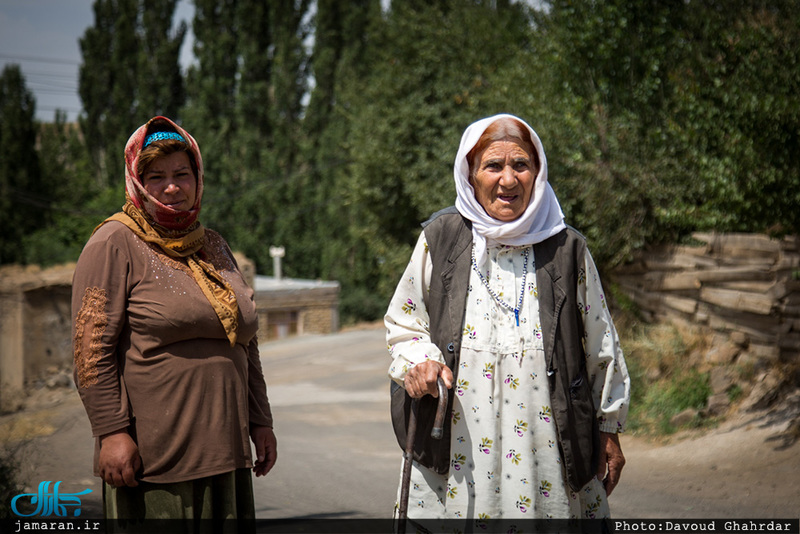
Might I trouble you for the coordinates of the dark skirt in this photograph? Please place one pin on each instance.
(209, 504)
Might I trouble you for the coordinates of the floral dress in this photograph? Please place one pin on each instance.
(504, 456)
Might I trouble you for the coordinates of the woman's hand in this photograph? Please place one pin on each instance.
(119, 459)
(266, 449)
(421, 379)
(611, 461)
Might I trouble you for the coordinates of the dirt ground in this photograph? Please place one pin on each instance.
(748, 467)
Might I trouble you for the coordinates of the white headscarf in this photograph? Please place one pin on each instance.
(542, 218)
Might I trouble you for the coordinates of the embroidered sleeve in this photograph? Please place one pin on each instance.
(99, 301)
(407, 331)
(90, 325)
(604, 360)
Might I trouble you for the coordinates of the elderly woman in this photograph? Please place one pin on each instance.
(502, 301)
(165, 347)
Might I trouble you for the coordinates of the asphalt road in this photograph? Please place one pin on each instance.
(337, 455)
(338, 459)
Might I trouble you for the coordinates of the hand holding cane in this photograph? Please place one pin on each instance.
(436, 433)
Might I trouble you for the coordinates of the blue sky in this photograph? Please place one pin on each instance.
(42, 37)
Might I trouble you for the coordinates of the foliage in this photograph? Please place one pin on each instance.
(76, 204)
(658, 118)
(599, 107)
(130, 73)
(328, 244)
(425, 88)
(21, 211)
(244, 107)
(736, 115)
(10, 485)
(663, 381)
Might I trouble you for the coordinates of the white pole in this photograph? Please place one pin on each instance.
(277, 253)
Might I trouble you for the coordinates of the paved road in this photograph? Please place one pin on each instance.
(337, 456)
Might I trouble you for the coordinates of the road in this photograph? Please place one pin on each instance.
(338, 457)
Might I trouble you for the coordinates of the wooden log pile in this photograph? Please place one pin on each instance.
(733, 283)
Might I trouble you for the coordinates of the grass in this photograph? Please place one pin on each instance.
(10, 485)
(16, 433)
(664, 381)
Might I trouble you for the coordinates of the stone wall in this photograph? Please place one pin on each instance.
(288, 307)
(743, 292)
(743, 286)
(35, 328)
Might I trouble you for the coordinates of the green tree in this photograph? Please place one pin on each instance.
(211, 81)
(245, 105)
(76, 205)
(211, 95)
(160, 88)
(342, 58)
(23, 208)
(661, 118)
(435, 63)
(107, 85)
(269, 110)
(600, 103)
(129, 73)
(737, 118)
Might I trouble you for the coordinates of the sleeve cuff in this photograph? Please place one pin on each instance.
(611, 427)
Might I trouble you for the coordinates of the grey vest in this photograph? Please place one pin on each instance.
(559, 263)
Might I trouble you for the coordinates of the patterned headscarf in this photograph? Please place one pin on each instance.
(542, 218)
(134, 189)
(176, 232)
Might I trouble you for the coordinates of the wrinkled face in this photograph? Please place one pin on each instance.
(171, 181)
(503, 181)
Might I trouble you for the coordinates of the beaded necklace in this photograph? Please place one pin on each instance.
(494, 295)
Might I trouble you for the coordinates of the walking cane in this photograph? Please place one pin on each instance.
(408, 455)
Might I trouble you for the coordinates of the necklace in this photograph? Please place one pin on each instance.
(494, 295)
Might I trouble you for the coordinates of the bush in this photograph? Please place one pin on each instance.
(10, 486)
(663, 381)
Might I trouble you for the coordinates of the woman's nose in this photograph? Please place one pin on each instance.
(508, 177)
(171, 188)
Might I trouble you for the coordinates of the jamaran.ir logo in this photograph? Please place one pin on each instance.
(47, 504)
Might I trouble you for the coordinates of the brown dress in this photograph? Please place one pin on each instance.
(152, 356)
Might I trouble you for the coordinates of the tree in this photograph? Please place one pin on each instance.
(736, 115)
(435, 62)
(670, 117)
(107, 85)
(245, 104)
(600, 103)
(130, 72)
(343, 56)
(269, 109)
(23, 207)
(160, 88)
(75, 203)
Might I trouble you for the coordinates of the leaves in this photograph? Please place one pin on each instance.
(658, 118)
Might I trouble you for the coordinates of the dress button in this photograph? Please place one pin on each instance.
(451, 347)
